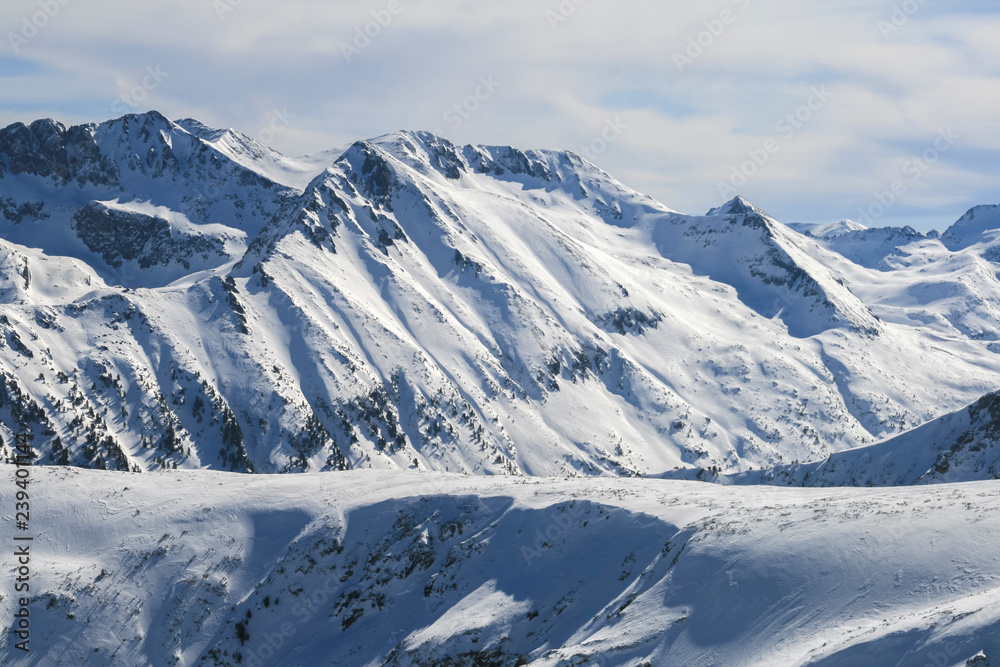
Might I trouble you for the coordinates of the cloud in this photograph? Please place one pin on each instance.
(565, 68)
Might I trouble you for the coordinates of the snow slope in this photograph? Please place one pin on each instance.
(960, 447)
(391, 568)
(873, 248)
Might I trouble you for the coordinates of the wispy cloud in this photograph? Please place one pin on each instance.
(566, 68)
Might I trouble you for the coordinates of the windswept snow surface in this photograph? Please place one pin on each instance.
(429, 569)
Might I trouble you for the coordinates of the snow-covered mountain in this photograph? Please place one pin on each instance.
(980, 224)
(179, 296)
(382, 317)
(427, 569)
(827, 230)
(959, 447)
(872, 248)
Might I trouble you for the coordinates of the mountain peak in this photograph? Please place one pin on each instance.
(147, 119)
(420, 137)
(199, 129)
(47, 126)
(735, 206)
(971, 228)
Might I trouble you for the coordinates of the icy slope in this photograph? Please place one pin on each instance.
(373, 568)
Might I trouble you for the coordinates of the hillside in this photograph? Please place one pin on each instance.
(961, 447)
(389, 568)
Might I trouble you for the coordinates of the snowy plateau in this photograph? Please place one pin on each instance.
(528, 415)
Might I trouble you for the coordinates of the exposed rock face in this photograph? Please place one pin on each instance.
(122, 236)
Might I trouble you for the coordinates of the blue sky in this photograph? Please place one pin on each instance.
(687, 103)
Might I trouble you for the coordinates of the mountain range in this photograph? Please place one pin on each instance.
(179, 296)
(504, 380)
